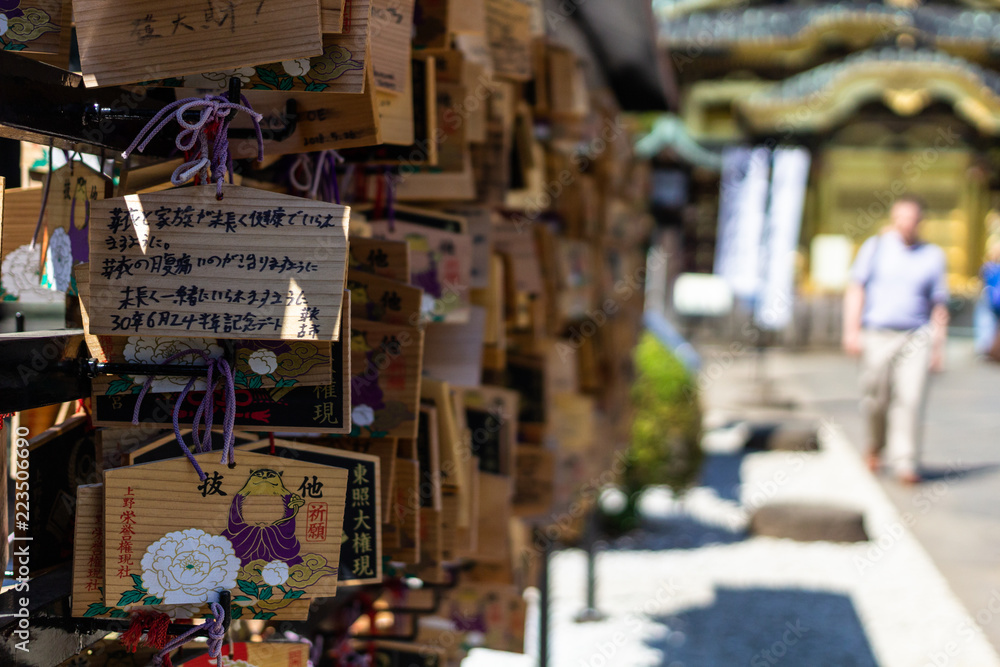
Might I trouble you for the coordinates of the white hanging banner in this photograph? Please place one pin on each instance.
(776, 298)
(742, 208)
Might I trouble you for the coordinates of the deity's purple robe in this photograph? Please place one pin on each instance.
(270, 543)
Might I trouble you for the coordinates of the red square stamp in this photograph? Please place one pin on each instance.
(316, 520)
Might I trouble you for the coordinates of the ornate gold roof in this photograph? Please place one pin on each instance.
(906, 80)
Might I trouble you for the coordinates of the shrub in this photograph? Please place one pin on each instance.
(665, 446)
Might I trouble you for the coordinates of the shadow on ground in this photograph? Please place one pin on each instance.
(758, 627)
(932, 473)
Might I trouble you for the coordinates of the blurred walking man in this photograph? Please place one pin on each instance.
(896, 319)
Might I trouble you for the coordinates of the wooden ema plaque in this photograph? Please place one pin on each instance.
(88, 571)
(254, 265)
(490, 414)
(406, 512)
(298, 409)
(260, 364)
(340, 68)
(361, 551)
(392, 21)
(178, 37)
(72, 188)
(331, 15)
(440, 262)
(382, 300)
(383, 448)
(388, 259)
(254, 654)
(385, 380)
(323, 120)
(268, 530)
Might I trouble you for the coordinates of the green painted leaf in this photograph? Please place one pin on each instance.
(152, 599)
(15, 47)
(247, 587)
(264, 617)
(268, 76)
(254, 382)
(293, 595)
(285, 83)
(96, 609)
(316, 87)
(261, 86)
(236, 611)
(118, 613)
(265, 593)
(287, 382)
(379, 434)
(240, 379)
(137, 580)
(130, 597)
(119, 386)
(241, 598)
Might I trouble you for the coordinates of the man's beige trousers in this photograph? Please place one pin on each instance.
(895, 366)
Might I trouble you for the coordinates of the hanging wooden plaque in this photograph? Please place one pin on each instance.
(253, 265)
(340, 68)
(255, 654)
(331, 15)
(440, 263)
(260, 364)
(156, 41)
(268, 530)
(299, 409)
(321, 120)
(389, 259)
(385, 379)
(20, 263)
(88, 572)
(392, 22)
(72, 188)
(490, 414)
(406, 512)
(361, 551)
(508, 30)
(382, 300)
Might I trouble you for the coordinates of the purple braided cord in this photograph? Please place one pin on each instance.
(203, 413)
(211, 108)
(216, 632)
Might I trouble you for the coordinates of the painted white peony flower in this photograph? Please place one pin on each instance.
(427, 305)
(275, 573)
(58, 261)
(362, 415)
(189, 566)
(20, 277)
(3, 24)
(263, 362)
(297, 67)
(157, 349)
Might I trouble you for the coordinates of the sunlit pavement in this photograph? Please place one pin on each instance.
(956, 512)
(693, 590)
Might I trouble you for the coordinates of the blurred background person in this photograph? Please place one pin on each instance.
(988, 306)
(896, 319)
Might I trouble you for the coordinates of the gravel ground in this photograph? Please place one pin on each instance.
(692, 590)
